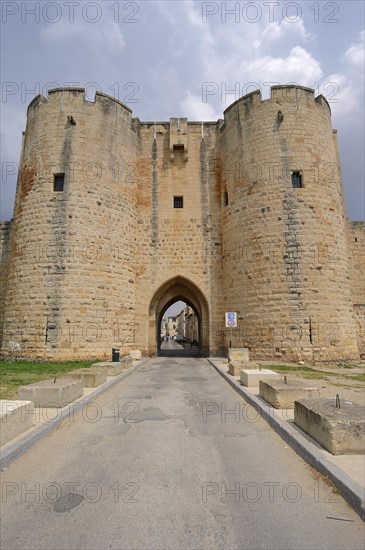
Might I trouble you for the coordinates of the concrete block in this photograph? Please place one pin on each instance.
(50, 393)
(252, 377)
(114, 368)
(136, 354)
(97, 367)
(90, 377)
(15, 418)
(338, 430)
(238, 354)
(126, 361)
(282, 395)
(234, 368)
(246, 365)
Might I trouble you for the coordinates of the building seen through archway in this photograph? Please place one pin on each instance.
(180, 329)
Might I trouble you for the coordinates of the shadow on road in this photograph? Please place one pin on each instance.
(172, 349)
(178, 353)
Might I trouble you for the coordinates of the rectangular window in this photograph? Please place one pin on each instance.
(226, 198)
(58, 182)
(178, 202)
(296, 180)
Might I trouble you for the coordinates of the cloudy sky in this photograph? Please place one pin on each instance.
(184, 58)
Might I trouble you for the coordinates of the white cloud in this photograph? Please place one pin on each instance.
(229, 55)
(355, 54)
(105, 37)
(345, 91)
(298, 67)
(195, 109)
(278, 32)
(171, 53)
(232, 58)
(338, 91)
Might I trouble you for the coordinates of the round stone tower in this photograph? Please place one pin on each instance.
(285, 255)
(70, 286)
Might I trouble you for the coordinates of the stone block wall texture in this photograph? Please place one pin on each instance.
(285, 261)
(96, 265)
(72, 281)
(356, 249)
(5, 247)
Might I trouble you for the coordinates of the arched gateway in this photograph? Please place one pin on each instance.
(178, 288)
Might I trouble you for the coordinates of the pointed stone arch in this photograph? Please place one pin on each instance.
(178, 288)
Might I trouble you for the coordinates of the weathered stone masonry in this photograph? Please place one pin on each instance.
(96, 264)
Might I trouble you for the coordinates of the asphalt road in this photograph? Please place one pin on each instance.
(158, 462)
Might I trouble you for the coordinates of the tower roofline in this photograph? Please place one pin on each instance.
(42, 98)
(256, 94)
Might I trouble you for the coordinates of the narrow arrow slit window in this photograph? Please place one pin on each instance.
(296, 180)
(58, 182)
(179, 202)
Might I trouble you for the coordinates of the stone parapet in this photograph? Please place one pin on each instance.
(15, 418)
(282, 395)
(91, 377)
(252, 377)
(338, 427)
(53, 393)
(115, 367)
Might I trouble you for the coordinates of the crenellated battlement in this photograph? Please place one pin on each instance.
(6, 225)
(67, 96)
(282, 95)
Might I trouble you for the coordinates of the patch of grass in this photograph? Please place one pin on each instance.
(21, 373)
(288, 368)
(303, 371)
(350, 386)
(358, 377)
(344, 366)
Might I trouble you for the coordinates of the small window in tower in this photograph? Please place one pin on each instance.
(58, 182)
(296, 180)
(179, 202)
(226, 198)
